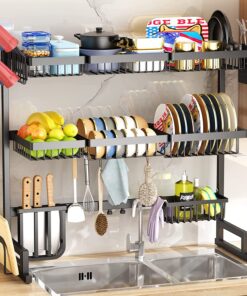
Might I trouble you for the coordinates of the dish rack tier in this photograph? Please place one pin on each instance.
(123, 63)
(38, 151)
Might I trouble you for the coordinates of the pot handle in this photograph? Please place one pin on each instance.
(78, 36)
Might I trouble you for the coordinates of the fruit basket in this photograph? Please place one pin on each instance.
(46, 136)
(48, 150)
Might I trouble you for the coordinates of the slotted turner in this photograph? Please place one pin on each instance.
(75, 211)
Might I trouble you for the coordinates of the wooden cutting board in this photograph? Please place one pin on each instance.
(11, 258)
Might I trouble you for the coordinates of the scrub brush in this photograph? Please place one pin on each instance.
(101, 223)
(148, 192)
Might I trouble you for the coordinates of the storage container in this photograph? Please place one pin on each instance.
(147, 66)
(36, 36)
(62, 48)
(36, 49)
(142, 43)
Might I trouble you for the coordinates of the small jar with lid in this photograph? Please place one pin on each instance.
(185, 65)
(36, 49)
(211, 64)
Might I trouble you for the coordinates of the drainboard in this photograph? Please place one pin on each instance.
(71, 280)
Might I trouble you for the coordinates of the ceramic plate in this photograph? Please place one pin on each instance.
(226, 116)
(206, 121)
(110, 150)
(98, 152)
(163, 121)
(184, 127)
(119, 122)
(233, 117)
(151, 148)
(190, 127)
(140, 121)
(195, 110)
(177, 127)
(140, 148)
(220, 119)
(213, 121)
(130, 149)
(120, 149)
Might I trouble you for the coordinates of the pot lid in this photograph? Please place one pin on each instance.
(99, 33)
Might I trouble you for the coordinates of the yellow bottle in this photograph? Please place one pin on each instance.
(184, 191)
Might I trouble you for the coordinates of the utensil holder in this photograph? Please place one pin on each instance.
(47, 223)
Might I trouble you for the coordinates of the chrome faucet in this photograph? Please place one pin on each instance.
(138, 246)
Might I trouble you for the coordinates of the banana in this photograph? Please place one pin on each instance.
(57, 118)
(43, 119)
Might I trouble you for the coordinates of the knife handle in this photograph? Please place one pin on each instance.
(49, 187)
(37, 188)
(26, 192)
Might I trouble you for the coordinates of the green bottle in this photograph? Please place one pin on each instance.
(184, 191)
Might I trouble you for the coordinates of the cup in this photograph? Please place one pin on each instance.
(185, 65)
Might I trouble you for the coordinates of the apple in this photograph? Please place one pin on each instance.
(56, 133)
(52, 152)
(69, 151)
(39, 133)
(23, 131)
(35, 153)
(70, 130)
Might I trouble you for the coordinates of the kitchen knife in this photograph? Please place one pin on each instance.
(37, 188)
(26, 192)
(49, 187)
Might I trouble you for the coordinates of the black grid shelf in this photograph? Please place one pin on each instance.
(122, 63)
(38, 151)
(193, 211)
(233, 137)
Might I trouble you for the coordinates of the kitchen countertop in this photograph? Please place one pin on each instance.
(11, 285)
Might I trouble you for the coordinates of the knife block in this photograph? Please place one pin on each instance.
(48, 231)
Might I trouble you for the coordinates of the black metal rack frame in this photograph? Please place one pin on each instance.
(22, 66)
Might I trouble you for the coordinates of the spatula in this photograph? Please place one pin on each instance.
(75, 211)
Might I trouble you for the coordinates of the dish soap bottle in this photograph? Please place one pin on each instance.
(184, 191)
(198, 210)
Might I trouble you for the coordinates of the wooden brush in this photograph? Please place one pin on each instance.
(101, 223)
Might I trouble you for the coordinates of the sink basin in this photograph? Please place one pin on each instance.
(200, 268)
(68, 280)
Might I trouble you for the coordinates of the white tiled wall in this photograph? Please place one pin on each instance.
(69, 17)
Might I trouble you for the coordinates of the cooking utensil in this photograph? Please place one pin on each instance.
(26, 192)
(49, 188)
(75, 211)
(37, 187)
(101, 223)
(88, 201)
(98, 39)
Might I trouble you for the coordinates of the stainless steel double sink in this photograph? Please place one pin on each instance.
(127, 273)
